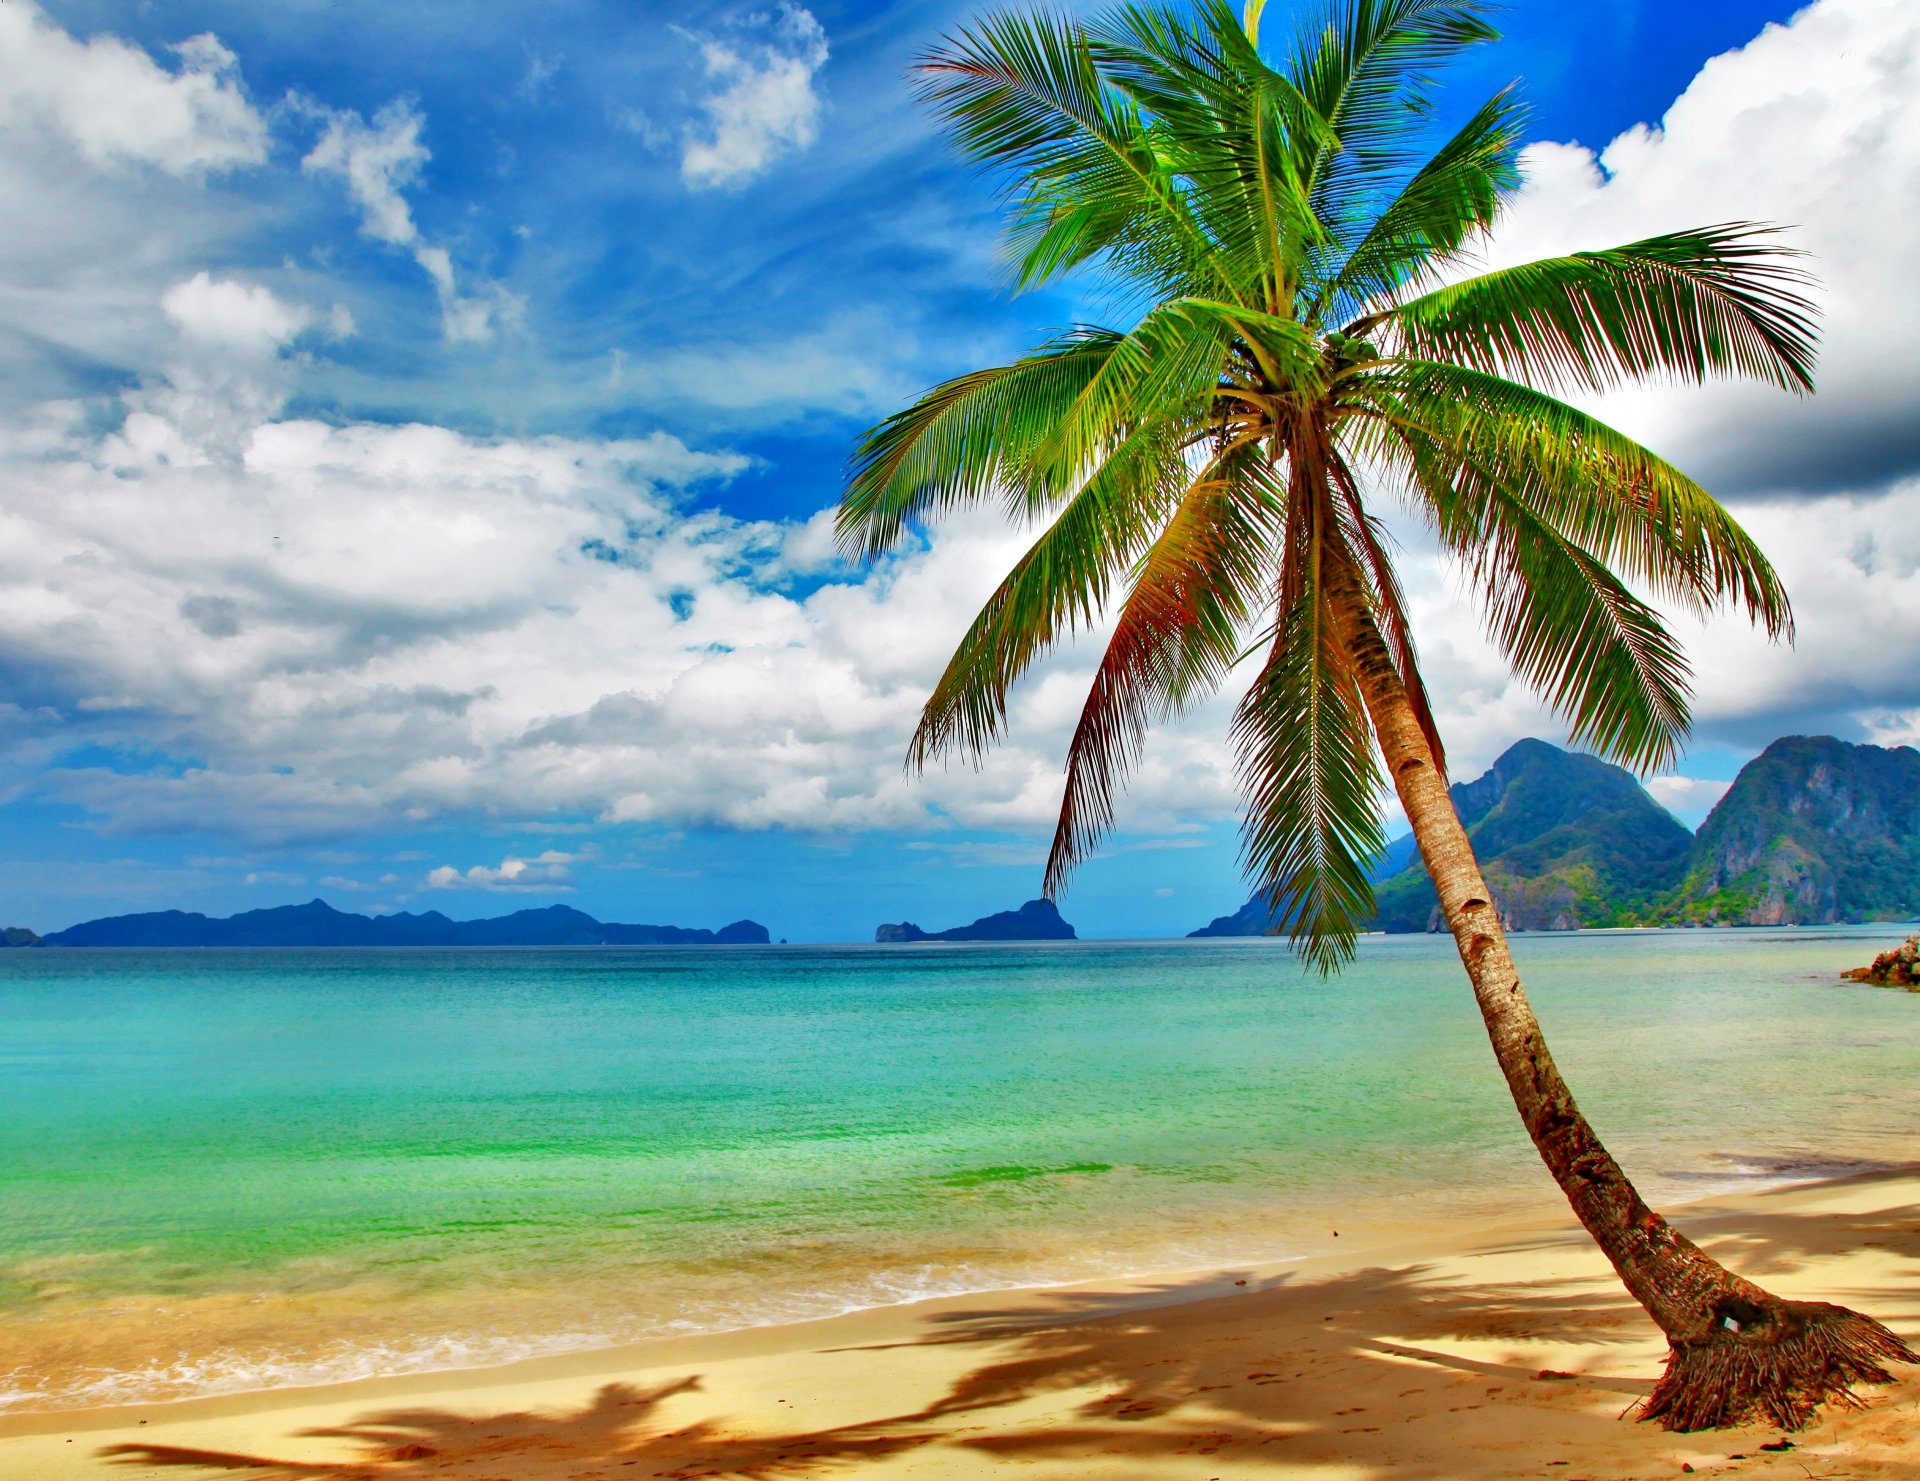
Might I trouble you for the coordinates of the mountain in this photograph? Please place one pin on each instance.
(18, 936)
(1037, 920)
(318, 924)
(1565, 840)
(1813, 830)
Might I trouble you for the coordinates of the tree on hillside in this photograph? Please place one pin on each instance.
(1311, 338)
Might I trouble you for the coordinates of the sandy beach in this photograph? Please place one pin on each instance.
(1496, 1351)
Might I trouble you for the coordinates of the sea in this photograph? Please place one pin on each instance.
(233, 1170)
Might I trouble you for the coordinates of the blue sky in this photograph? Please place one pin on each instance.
(417, 421)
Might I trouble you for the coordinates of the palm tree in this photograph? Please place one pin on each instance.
(1308, 337)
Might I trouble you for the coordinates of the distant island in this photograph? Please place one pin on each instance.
(1813, 831)
(1037, 920)
(318, 924)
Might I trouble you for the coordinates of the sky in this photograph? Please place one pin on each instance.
(420, 424)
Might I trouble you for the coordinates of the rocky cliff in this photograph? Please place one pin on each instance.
(1813, 830)
(1565, 840)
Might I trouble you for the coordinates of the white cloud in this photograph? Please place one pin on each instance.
(378, 160)
(119, 178)
(116, 106)
(856, 363)
(1689, 799)
(357, 626)
(764, 105)
(1813, 126)
(235, 316)
(543, 874)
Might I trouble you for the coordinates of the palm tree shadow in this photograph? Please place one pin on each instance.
(1254, 1403)
(1322, 1382)
(1378, 1370)
(1764, 1243)
(1451, 1346)
(611, 1431)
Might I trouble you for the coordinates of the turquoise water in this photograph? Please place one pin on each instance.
(225, 1169)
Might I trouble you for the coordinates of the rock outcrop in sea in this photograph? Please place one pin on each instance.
(1037, 920)
(1899, 967)
(318, 924)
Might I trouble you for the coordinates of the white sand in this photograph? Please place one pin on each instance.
(1422, 1358)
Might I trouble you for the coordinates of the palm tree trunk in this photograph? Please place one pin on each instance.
(1736, 1352)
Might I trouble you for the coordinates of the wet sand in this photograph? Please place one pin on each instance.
(1496, 1352)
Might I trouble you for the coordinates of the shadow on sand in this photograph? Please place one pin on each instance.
(1354, 1369)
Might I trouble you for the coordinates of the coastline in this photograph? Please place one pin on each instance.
(1423, 1351)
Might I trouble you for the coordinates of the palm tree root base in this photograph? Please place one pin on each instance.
(1777, 1365)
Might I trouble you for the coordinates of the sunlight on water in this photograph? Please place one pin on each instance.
(224, 1170)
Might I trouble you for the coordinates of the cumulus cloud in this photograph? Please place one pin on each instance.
(226, 372)
(345, 626)
(337, 628)
(116, 106)
(240, 317)
(122, 175)
(543, 874)
(763, 105)
(1814, 126)
(378, 160)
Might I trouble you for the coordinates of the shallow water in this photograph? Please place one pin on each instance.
(223, 1170)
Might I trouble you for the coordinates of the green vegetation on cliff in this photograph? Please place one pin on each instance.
(1813, 830)
(1565, 840)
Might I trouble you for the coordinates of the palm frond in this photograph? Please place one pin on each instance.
(1188, 72)
(1592, 484)
(965, 439)
(1167, 370)
(1598, 654)
(1023, 95)
(1059, 586)
(1367, 66)
(1722, 300)
(1307, 765)
(1369, 540)
(1174, 639)
(1452, 196)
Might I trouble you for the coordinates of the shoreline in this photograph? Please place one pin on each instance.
(1523, 1290)
(1443, 1229)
